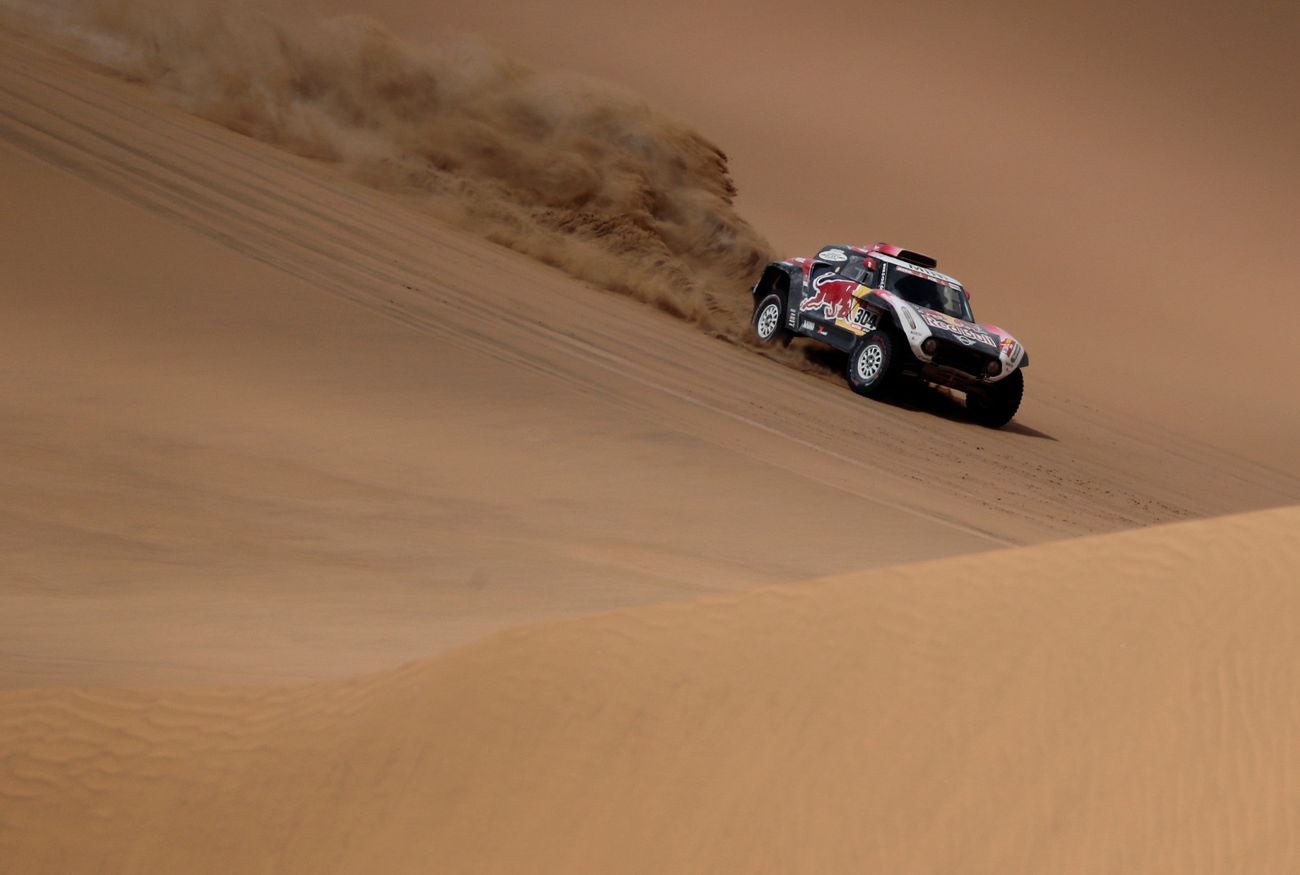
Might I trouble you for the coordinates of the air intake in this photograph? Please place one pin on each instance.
(904, 254)
(917, 259)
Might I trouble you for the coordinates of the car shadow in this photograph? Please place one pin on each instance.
(922, 397)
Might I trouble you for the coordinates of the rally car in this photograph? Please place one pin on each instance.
(897, 318)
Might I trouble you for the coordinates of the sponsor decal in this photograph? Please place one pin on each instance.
(932, 275)
(964, 333)
(832, 255)
(806, 325)
(832, 295)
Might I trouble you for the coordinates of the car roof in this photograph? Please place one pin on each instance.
(916, 268)
(907, 259)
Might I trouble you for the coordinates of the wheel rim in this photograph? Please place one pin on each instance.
(767, 321)
(869, 363)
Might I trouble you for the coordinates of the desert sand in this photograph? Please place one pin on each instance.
(339, 536)
(1117, 703)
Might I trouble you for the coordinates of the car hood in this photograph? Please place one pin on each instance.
(919, 323)
(977, 336)
(985, 338)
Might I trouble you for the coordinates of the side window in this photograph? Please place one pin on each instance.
(854, 269)
(864, 270)
(821, 270)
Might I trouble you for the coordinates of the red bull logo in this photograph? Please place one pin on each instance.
(832, 294)
(965, 333)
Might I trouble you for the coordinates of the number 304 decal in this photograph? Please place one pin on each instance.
(863, 317)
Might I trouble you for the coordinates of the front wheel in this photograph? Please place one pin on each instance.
(769, 316)
(871, 364)
(996, 404)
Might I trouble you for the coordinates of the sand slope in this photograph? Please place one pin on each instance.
(1115, 181)
(1123, 703)
(262, 423)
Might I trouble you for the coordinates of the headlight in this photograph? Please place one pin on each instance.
(993, 368)
(929, 345)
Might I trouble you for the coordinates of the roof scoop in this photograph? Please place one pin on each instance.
(917, 258)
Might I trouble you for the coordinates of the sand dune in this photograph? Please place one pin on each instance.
(276, 413)
(265, 423)
(1115, 181)
(1113, 704)
(1120, 197)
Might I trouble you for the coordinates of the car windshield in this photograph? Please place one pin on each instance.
(930, 294)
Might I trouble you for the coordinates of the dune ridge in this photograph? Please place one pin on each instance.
(1114, 703)
(569, 170)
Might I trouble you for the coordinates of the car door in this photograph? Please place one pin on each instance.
(828, 296)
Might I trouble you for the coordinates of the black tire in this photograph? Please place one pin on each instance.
(870, 370)
(997, 403)
(769, 320)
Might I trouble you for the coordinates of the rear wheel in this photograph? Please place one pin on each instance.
(769, 320)
(994, 405)
(871, 364)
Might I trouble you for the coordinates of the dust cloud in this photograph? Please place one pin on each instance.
(568, 170)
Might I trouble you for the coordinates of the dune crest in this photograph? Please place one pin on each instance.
(1115, 703)
(569, 170)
